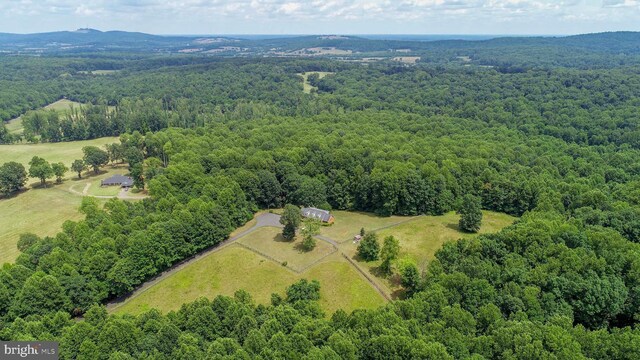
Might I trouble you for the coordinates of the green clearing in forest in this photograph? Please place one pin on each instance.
(420, 238)
(234, 267)
(42, 210)
(342, 286)
(66, 152)
(306, 87)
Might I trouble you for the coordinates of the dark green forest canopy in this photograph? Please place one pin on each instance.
(220, 138)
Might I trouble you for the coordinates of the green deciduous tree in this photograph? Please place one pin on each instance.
(59, 169)
(40, 294)
(369, 248)
(95, 157)
(470, 214)
(389, 253)
(410, 277)
(137, 176)
(78, 166)
(303, 290)
(310, 229)
(13, 176)
(41, 169)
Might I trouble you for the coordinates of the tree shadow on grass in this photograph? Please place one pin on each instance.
(300, 248)
(399, 294)
(13, 194)
(280, 238)
(379, 272)
(454, 226)
(88, 175)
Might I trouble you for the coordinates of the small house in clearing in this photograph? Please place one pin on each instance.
(118, 180)
(318, 214)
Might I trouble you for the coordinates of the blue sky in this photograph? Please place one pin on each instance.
(323, 17)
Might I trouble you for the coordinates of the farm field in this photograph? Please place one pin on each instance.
(65, 152)
(42, 211)
(63, 105)
(422, 236)
(347, 224)
(269, 241)
(234, 267)
(243, 265)
(99, 72)
(38, 211)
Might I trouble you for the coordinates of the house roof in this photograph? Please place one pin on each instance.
(118, 180)
(314, 213)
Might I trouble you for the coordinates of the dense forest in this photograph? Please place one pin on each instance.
(218, 139)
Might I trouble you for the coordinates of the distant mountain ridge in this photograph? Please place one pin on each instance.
(88, 40)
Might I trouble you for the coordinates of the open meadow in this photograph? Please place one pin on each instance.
(256, 263)
(269, 241)
(347, 224)
(234, 267)
(65, 152)
(43, 210)
(420, 238)
(61, 106)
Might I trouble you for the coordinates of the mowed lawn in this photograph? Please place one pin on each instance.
(348, 224)
(342, 286)
(233, 268)
(421, 237)
(269, 241)
(66, 152)
(219, 273)
(42, 211)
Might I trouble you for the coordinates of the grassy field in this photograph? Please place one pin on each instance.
(14, 126)
(306, 87)
(342, 286)
(348, 224)
(66, 152)
(269, 241)
(39, 211)
(421, 237)
(219, 273)
(233, 268)
(43, 210)
(63, 105)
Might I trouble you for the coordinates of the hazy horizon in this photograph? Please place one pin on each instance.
(354, 17)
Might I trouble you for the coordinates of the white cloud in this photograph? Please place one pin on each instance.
(187, 16)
